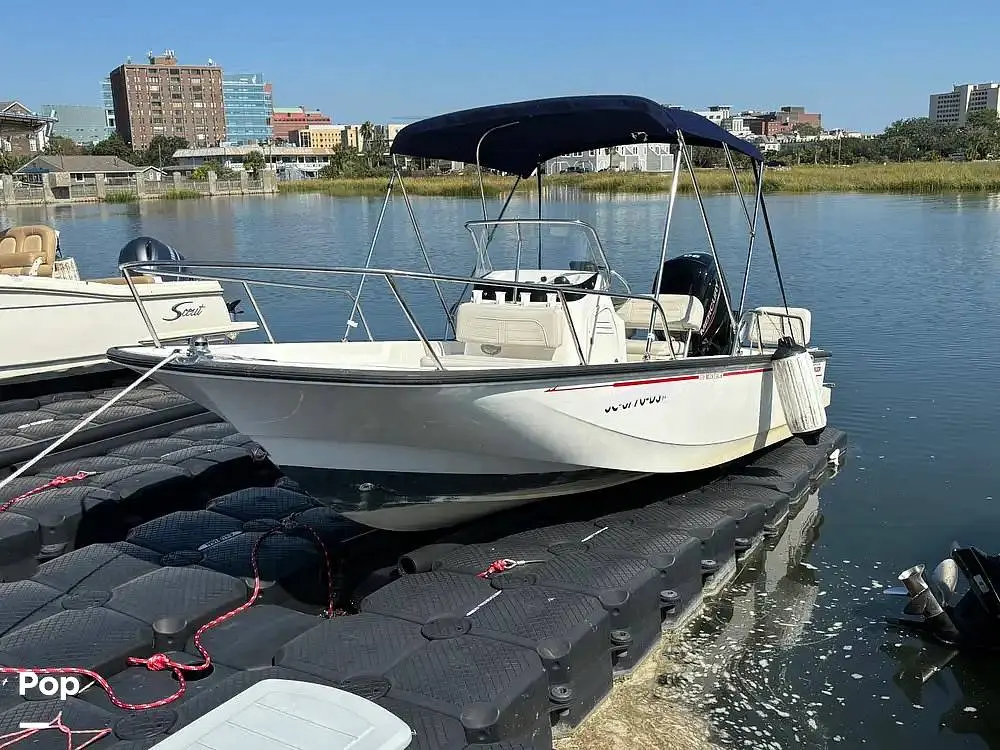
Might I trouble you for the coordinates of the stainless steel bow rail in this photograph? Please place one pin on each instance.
(391, 276)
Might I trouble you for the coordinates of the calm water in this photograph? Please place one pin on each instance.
(905, 291)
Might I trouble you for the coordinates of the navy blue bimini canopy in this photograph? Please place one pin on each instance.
(526, 134)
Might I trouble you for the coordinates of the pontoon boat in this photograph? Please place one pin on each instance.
(552, 376)
(52, 323)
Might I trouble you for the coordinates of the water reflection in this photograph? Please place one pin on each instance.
(960, 690)
(718, 682)
(725, 664)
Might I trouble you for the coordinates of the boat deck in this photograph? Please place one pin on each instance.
(158, 541)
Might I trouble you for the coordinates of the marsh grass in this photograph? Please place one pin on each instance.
(909, 177)
(121, 196)
(180, 194)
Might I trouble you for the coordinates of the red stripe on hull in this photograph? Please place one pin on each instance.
(650, 381)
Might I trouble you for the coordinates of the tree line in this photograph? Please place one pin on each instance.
(912, 139)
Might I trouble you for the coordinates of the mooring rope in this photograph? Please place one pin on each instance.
(90, 418)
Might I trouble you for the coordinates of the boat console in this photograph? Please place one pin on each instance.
(532, 324)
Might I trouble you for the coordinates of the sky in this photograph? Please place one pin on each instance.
(860, 64)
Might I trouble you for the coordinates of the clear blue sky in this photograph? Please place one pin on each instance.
(861, 64)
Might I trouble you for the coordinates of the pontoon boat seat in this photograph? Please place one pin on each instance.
(21, 247)
(768, 324)
(684, 315)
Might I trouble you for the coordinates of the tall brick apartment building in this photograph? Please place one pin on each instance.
(165, 98)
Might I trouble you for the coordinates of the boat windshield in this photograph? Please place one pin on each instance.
(554, 244)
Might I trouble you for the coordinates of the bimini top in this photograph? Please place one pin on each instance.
(522, 135)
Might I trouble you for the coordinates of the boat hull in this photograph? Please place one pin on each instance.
(51, 326)
(398, 501)
(683, 417)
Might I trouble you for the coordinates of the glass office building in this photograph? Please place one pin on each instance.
(109, 107)
(247, 101)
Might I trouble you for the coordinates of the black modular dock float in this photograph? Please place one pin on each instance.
(156, 542)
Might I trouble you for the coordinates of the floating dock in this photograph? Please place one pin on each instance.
(157, 525)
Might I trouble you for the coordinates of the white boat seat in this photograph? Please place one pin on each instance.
(683, 312)
(22, 247)
(500, 324)
(636, 348)
(768, 324)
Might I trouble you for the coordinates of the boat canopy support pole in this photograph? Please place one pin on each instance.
(770, 239)
(658, 276)
(423, 252)
(503, 210)
(708, 231)
(751, 221)
(351, 323)
(479, 166)
(538, 174)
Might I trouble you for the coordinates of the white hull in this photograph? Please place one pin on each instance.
(670, 417)
(448, 510)
(55, 326)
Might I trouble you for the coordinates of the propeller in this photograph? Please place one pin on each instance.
(944, 580)
(233, 307)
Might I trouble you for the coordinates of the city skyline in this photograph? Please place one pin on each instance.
(392, 65)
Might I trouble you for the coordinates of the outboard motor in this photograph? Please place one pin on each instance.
(972, 623)
(799, 391)
(696, 275)
(150, 249)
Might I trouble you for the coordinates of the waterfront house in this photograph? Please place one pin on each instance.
(86, 169)
(21, 130)
(299, 159)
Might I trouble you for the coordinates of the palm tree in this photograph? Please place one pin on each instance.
(367, 133)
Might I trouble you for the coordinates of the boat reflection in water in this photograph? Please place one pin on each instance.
(713, 684)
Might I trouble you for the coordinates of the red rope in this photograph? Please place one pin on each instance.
(57, 482)
(11, 739)
(161, 662)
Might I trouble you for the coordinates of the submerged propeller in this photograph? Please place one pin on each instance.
(944, 580)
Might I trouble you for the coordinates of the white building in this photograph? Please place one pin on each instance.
(717, 113)
(307, 161)
(954, 107)
(637, 157)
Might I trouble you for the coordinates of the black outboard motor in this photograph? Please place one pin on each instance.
(696, 275)
(974, 622)
(150, 248)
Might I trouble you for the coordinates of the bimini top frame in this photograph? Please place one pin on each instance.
(518, 138)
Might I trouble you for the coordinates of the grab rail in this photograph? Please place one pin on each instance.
(390, 275)
(496, 223)
(751, 318)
